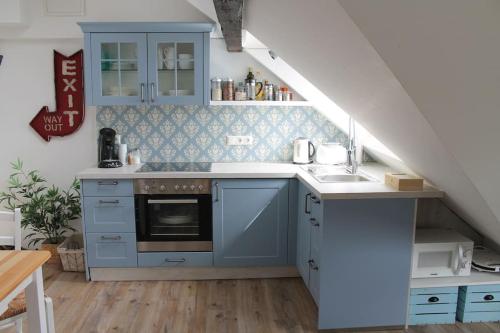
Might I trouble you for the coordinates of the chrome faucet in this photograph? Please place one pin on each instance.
(352, 163)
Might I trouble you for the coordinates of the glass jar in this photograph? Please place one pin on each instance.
(216, 89)
(228, 90)
(240, 93)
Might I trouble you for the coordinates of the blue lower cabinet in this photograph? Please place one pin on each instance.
(250, 222)
(175, 259)
(107, 187)
(433, 306)
(479, 303)
(111, 250)
(109, 214)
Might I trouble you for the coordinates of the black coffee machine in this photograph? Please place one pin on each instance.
(107, 152)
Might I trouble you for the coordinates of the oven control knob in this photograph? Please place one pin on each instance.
(163, 188)
(192, 187)
(184, 187)
(200, 187)
(177, 187)
(146, 188)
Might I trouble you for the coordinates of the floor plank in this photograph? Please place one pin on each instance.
(225, 306)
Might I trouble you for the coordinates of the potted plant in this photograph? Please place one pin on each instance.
(45, 209)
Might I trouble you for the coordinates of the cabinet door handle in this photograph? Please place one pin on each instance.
(313, 221)
(216, 191)
(107, 182)
(489, 297)
(306, 210)
(175, 260)
(313, 265)
(110, 202)
(111, 237)
(433, 299)
(142, 93)
(152, 92)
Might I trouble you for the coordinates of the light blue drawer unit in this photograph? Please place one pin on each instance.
(479, 303)
(109, 214)
(107, 187)
(433, 306)
(111, 250)
(175, 259)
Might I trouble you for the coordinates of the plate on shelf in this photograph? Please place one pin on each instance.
(181, 92)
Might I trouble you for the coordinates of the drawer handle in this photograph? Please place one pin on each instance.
(175, 260)
(313, 222)
(433, 299)
(489, 297)
(313, 265)
(307, 210)
(107, 182)
(110, 202)
(111, 237)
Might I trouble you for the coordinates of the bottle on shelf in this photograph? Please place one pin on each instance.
(250, 85)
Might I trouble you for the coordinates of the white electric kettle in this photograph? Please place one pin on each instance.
(303, 151)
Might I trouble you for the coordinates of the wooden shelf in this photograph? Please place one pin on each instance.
(476, 278)
(262, 103)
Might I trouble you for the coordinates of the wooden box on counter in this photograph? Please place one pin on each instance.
(404, 182)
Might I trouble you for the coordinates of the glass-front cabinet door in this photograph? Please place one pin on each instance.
(119, 68)
(175, 69)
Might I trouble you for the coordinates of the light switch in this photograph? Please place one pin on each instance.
(239, 140)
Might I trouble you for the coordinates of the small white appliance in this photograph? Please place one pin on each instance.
(485, 260)
(440, 253)
(303, 151)
(331, 153)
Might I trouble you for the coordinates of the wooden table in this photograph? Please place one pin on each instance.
(22, 270)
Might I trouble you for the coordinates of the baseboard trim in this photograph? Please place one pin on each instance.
(190, 273)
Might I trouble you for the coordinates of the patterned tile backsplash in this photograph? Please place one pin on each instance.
(198, 133)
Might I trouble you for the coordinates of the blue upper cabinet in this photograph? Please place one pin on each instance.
(250, 222)
(175, 68)
(147, 63)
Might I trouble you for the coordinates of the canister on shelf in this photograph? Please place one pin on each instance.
(216, 89)
(286, 95)
(278, 96)
(228, 90)
(240, 93)
(268, 91)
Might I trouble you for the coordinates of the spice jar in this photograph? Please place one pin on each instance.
(284, 92)
(216, 89)
(240, 93)
(228, 90)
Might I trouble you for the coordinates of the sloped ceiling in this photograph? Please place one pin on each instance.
(395, 94)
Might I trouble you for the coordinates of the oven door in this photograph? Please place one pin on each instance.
(174, 222)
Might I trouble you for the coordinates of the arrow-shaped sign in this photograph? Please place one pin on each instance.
(70, 108)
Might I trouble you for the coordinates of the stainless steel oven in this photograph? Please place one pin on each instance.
(173, 214)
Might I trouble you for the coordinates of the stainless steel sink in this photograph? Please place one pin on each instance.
(341, 178)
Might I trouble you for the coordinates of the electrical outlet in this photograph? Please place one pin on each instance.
(239, 140)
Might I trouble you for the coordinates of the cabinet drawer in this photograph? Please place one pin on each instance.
(109, 214)
(434, 291)
(480, 297)
(175, 259)
(434, 299)
(471, 317)
(108, 187)
(111, 250)
(424, 319)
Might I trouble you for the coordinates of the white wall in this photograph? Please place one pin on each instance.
(446, 54)
(322, 43)
(39, 26)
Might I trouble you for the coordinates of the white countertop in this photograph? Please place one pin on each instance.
(343, 190)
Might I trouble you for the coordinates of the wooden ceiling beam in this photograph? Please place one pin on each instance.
(229, 14)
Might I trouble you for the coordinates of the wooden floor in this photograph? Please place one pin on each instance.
(230, 306)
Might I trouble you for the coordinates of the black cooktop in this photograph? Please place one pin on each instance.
(176, 167)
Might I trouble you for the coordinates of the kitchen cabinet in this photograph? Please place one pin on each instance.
(250, 221)
(310, 216)
(108, 223)
(146, 63)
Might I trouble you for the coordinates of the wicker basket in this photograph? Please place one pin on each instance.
(72, 259)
